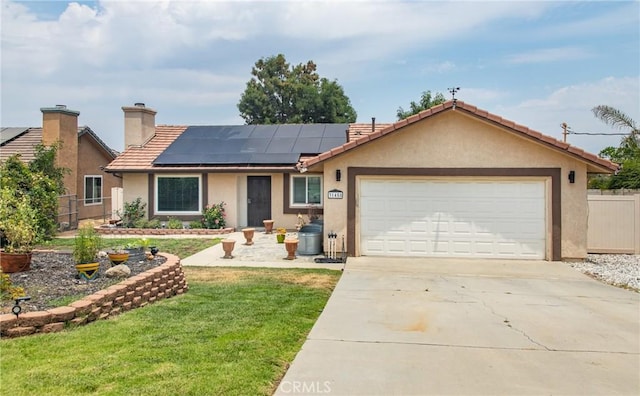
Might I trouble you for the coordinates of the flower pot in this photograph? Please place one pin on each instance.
(88, 271)
(280, 238)
(136, 254)
(291, 245)
(15, 262)
(248, 235)
(118, 258)
(268, 226)
(227, 246)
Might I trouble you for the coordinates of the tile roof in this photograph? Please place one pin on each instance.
(24, 143)
(140, 158)
(599, 163)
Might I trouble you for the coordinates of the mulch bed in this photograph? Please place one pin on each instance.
(53, 276)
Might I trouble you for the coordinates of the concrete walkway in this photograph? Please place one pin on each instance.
(470, 327)
(265, 252)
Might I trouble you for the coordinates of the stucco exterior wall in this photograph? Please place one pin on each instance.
(456, 140)
(136, 185)
(90, 160)
(232, 189)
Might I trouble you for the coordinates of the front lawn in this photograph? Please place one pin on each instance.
(181, 247)
(233, 333)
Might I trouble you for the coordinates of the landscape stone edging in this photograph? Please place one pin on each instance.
(162, 231)
(163, 281)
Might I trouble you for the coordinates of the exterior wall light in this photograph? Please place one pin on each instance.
(572, 177)
(338, 175)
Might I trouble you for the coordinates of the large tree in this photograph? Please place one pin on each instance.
(281, 94)
(627, 153)
(426, 101)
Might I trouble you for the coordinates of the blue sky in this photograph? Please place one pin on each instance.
(536, 63)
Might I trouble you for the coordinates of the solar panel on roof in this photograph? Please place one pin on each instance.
(9, 133)
(251, 144)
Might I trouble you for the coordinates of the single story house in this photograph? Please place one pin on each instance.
(82, 152)
(451, 181)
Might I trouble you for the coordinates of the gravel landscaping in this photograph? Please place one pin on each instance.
(53, 279)
(621, 270)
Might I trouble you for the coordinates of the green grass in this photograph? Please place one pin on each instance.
(180, 247)
(233, 333)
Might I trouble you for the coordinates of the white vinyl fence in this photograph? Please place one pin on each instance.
(614, 224)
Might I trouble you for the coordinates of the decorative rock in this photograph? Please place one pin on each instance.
(119, 271)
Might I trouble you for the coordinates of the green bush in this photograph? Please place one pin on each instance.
(213, 216)
(133, 211)
(174, 224)
(196, 225)
(141, 223)
(154, 223)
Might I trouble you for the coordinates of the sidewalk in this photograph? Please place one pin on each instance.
(265, 252)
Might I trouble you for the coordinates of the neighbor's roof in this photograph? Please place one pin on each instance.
(23, 140)
(589, 158)
(149, 156)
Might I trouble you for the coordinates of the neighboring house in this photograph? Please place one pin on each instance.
(88, 187)
(451, 181)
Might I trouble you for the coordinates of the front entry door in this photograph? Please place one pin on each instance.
(258, 200)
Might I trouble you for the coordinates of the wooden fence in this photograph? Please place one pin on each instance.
(614, 224)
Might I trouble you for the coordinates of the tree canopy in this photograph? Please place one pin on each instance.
(279, 93)
(426, 101)
(627, 153)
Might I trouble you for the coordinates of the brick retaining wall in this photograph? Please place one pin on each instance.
(158, 283)
(162, 231)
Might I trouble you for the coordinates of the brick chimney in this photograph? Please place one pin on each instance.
(60, 124)
(139, 124)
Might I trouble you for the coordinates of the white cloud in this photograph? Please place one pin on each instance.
(550, 55)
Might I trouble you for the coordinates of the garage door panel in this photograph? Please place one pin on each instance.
(453, 218)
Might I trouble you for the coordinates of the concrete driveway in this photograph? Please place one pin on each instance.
(470, 327)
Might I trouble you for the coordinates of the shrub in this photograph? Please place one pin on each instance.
(196, 225)
(213, 216)
(174, 223)
(7, 290)
(133, 211)
(154, 223)
(141, 223)
(86, 245)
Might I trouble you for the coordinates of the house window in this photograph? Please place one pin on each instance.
(180, 195)
(92, 190)
(306, 190)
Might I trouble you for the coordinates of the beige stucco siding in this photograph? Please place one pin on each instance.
(456, 140)
(136, 185)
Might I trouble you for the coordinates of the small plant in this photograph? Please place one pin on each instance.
(141, 223)
(86, 245)
(18, 222)
(7, 290)
(174, 224)
(196, 225)
(281, 230)
(154, 223)
(213, 216)
(144, 243)
(133, 212)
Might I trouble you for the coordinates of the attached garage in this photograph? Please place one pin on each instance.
(457, 181)
(453, 218)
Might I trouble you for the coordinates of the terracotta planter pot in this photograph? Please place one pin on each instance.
(291, 245)
(268, 226)
(248, 235)
(15, 262)
(227, 246)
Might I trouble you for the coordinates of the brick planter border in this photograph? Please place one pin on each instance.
(162, 231)
(163, 281)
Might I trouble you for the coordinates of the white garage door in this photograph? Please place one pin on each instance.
(492, 219)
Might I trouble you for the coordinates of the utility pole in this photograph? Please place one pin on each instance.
(564, 132)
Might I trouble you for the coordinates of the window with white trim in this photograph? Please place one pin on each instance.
(178, 194)
(306, 190)
(92, 190)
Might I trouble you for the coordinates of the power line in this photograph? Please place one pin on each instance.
(596, 134)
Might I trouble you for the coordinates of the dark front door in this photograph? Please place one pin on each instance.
(258, 199)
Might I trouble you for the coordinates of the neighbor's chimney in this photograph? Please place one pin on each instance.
(139, 124)
(60, 124)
